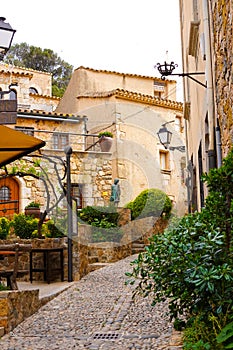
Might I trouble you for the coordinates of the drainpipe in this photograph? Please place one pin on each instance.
(209, 79)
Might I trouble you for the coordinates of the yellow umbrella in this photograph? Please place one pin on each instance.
(15, 144)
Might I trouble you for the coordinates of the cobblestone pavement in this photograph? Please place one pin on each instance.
(96, 313)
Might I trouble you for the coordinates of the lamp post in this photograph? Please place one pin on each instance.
(165, 137)
(6, 37)
(68, 151)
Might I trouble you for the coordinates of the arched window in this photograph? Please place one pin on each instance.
(4, 193)
(13, 95)
(33, 90)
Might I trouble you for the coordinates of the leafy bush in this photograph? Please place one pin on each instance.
(105, 133)
(99, 215)
(4, 227)
(151, 202)
(104, 222)
(187, 264)
(33, 205)
(52, 229)
(24, 226)
(191, 265)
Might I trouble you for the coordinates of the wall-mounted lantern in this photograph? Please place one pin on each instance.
(6, 37)
(165, 137)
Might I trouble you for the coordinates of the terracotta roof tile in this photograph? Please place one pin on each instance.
(126, 74)
(135, 96)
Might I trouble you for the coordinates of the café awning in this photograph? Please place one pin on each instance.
(15, 144)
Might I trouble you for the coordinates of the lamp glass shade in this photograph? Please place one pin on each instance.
(6, 35)
(164, 136)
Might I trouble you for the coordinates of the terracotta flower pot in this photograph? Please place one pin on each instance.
(105, 143)
(32, 211)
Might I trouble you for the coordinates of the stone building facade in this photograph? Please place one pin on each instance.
(91, 174)
(222, 24)
(206, 37)
(133, 108)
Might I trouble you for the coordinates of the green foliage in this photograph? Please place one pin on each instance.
(219, 203)
(104, 222)
(52, 230)
(4, 227)
(99, 216)
(226, 336)
(191, 266)
(3, 287)
(105, 133)
(188, 265)
(33, 205)
(24, 226)
(24, 55)
(151, 202)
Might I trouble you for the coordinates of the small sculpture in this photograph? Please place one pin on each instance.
(115, 192)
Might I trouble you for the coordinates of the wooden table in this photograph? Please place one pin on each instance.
(47, 268)
(13, 273)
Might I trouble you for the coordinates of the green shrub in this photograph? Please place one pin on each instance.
(33, 205)
(4, 227)
(151, 202)
(104, 221)
(99, 215)
(191, 265)
(52, 230)
(24, 226)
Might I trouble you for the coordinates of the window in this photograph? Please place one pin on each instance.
(33, 90)
(178, 124)
(76, 193)
(60, 141)
(164, 160)
(25, 129)
(159, 89)
(4, 193)
(13, 95)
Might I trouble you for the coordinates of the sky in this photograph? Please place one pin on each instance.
(126, 36)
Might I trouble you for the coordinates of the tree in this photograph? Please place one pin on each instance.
(45, 60)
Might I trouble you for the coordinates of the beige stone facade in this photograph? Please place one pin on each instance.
(34, 89)
(206, 36)
(133, 108)
(90, 171)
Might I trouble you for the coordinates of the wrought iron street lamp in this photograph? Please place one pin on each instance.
(167, 69)
(6, 37)
(165, 137)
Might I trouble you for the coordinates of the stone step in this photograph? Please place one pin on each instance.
(93, 259)
(137, 250)
(96, 266)
(138, 245)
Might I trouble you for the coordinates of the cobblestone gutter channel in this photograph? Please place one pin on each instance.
(96, 313)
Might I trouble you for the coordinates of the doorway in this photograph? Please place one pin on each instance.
(9, 197)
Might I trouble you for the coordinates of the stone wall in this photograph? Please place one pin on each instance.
(223, 47)
(83, 248)
(15, 306)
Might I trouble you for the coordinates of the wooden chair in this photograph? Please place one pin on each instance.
(12, 274)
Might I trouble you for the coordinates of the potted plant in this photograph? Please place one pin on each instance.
(105, 140)
(33, 209)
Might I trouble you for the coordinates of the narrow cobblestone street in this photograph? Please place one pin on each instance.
(96, 313)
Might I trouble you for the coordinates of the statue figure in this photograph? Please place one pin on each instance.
(115, 192)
